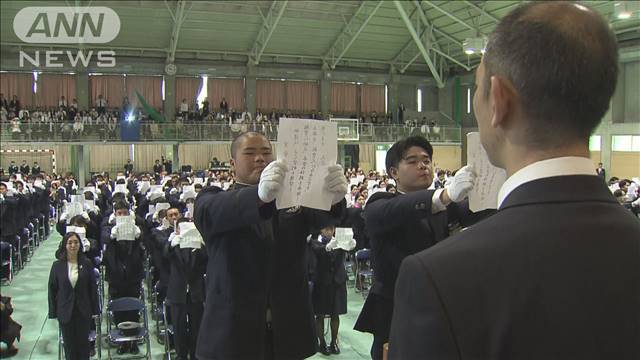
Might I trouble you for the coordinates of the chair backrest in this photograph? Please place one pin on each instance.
(125, 304)
(363, 254)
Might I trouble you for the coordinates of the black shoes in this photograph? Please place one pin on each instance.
(328, 350)
(323, 348)
(334, 349)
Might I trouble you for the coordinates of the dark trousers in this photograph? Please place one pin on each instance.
(376, 347)
(186, 320)
(76, 336)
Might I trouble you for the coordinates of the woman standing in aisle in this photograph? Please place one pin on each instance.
(73, 297)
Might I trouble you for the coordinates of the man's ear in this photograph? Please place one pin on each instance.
(393, 172)
(233, 164)
(502, 100)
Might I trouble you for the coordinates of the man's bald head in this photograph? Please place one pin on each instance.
(238, 140)
(562, 60)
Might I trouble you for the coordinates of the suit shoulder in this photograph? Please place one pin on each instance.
(380, 195)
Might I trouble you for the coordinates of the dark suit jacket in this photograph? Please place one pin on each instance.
(398, 225)
(187, 273)
(555, 274)
(8, 210)
(63, 297)
(329, 267)
(256, 262)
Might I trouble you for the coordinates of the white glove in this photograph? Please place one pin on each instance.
(332, 245)
(174, 239)
(336, 183)
(271, 181)
(114, 232)
(85, 245)
(85, 216)
(462, 183)
(173, 191)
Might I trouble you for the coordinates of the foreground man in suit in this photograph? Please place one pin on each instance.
(555, 273)
(258, 304)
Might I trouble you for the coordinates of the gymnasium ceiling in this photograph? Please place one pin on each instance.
(354, 35)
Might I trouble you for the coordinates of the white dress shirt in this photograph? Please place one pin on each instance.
(562, 166)
(73, 273)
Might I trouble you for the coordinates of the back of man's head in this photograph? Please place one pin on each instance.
(562, 60)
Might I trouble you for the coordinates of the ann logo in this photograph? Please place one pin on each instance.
(66, 25)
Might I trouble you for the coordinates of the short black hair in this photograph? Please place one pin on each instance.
(399, 149)
(236, 142)
(562, 62)
(120, 204)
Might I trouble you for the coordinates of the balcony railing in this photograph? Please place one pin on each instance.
(178, 132)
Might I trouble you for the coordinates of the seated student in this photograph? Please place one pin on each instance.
(123, 260)
(186, 290)
(329, 293)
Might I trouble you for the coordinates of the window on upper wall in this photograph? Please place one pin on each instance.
(419, 100)
(594, 142)
(625, 143)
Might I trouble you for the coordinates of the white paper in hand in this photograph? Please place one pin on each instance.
(77, 199)
(307, 147)
(191, 237)
(126, 228)
(489, 179)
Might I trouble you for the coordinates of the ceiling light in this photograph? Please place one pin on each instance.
(474, 45)
(626, 9)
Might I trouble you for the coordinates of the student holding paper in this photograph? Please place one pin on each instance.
(257, 288)
(403, 223)
(124, 259)
(329, 293)
(188, 262)
(555, 273)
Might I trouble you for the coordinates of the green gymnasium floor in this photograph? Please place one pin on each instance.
(40, 336)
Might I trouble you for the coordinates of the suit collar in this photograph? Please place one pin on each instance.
(559, 189)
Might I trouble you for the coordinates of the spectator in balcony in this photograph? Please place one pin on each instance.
(4, 114)
(205, 108)
(63, 102)
(184, 110)
(128, 168)
(224, 106)
(78, 127)
(16, 131)
(14, 105)
(3, 102)
(401, 111)
(246, 116)
(112, 127)
(101, 104)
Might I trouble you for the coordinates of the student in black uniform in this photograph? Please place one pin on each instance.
(257, 288)
(329, 293)
(186, 291)
(403, 223)
(73, 297)
(124, 263)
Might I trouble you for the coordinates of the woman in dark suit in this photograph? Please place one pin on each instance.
(329, 293)
(73, 297)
